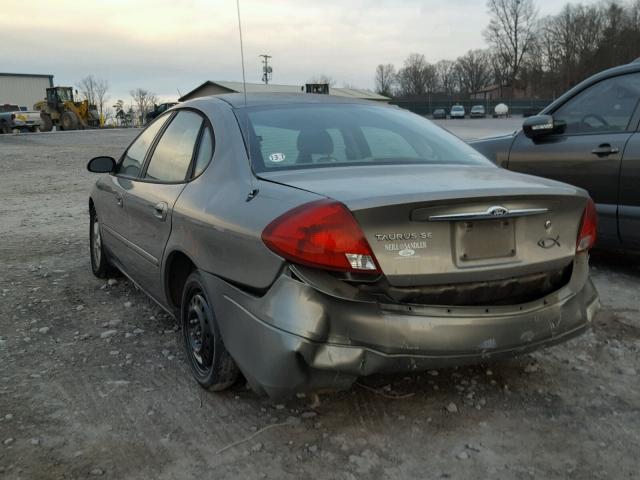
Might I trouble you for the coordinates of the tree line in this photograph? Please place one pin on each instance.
(539, 56)
(95, 91)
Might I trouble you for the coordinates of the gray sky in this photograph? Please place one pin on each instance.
(165, 45)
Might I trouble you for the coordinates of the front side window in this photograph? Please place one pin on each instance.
(134, 157)
(172, 156)
(311, 136)
(604, 107)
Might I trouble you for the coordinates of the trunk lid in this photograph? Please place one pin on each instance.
(438, 225)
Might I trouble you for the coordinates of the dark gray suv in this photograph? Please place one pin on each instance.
(589, 137)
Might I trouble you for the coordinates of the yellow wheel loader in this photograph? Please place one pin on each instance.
(60, 110)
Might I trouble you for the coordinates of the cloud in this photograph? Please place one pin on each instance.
(168, 45)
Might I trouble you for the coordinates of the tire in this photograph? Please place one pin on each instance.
(100, 265)
(210, 362)
(46, 125)
(69, 121)
(4, 128)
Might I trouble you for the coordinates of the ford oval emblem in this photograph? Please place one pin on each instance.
(407, 252)
(497, 211)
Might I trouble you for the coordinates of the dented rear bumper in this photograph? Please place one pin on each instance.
(297, 338)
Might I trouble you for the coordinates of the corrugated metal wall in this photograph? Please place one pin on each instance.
(23, 91)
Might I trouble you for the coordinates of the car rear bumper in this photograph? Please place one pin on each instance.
(296, 338)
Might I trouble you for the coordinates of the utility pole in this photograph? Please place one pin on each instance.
(266, 69)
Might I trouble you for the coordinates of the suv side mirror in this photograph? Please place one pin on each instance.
(539, 126)
(101, 165)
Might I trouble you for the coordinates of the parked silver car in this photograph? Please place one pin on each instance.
(477, 111)
(305, 240)
(457, 111)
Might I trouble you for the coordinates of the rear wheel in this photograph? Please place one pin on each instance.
(210, 362)
(4, 128)
(69, 121)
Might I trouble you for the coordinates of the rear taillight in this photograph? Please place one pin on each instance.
(588, 228)
(321, 234)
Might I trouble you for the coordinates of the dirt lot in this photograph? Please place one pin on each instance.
(93, 383)
(478, 128)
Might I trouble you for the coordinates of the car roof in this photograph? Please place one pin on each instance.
(237, 100)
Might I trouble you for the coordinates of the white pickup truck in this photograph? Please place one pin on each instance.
(12, 119)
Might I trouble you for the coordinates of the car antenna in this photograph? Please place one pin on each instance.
(254, 191)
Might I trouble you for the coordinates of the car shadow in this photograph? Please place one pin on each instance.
(627, 262)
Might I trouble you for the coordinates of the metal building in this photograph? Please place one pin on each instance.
(217, 87)
(23, 89)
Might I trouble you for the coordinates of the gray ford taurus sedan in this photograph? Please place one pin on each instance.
(305, 240)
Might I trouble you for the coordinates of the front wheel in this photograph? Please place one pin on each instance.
(46, 124)
(69, 121)
(99, 262)
(210, 362)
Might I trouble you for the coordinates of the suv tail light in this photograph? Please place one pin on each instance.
(321, 234)
(588, 228)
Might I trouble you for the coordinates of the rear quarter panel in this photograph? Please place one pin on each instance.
(215, 225)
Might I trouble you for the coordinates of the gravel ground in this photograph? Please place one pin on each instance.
(93, 383)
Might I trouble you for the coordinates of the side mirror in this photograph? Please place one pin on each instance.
(101, 165)
(540, 125)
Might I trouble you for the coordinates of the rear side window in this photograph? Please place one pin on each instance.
(205, 152)
(604, 107)
(134, 157)
(172, 156)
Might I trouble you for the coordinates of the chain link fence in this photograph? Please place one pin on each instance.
(524, 107)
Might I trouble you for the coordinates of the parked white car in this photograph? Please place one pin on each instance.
(457, 111)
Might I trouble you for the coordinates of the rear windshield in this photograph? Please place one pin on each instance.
(312, 136)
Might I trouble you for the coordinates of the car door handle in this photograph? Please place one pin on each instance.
(160, 211)
(604, 150)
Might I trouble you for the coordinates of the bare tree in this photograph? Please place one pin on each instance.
(87, 89)
(511, 32)
(447, 77)
(94, 90)
(474, 70)
(385, 79)
(101, 87)
(417, 76)
(144, 101)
